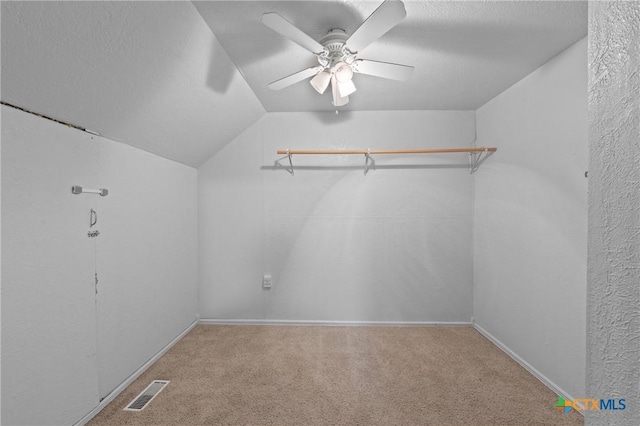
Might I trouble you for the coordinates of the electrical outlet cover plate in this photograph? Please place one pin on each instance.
(266, 281)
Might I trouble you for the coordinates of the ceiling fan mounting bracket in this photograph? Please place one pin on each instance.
(335, 49)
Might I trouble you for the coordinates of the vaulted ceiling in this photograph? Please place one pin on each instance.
(182, 79)
(150, 74)
(464, 52)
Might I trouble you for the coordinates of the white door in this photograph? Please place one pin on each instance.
(49, 371)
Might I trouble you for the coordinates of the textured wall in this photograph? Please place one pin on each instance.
(530, 221)
(146, 258)
(613, 301)
(394, 245)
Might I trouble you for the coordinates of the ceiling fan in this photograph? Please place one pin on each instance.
(337, 52)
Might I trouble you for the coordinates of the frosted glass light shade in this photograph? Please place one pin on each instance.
(321, 81)
(337, 99)
(345, 88)
(343, 72)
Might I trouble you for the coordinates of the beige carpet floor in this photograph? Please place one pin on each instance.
(297, 375)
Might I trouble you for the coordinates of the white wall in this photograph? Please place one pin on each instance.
(394, 245)
(613, 301)
(54, 343)
(146, 258)
(530, 222)
(0, 272)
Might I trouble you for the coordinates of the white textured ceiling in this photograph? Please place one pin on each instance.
(158, 76)
(150, 74)
(464, 53)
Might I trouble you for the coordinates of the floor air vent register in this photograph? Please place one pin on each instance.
(146, 396)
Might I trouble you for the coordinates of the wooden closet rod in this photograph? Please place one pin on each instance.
(382, 151)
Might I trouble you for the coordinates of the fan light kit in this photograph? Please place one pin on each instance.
(337, 52)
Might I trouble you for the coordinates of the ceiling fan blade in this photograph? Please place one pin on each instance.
(280, 25)
(294, 78)
(386, 16)
(383, 69)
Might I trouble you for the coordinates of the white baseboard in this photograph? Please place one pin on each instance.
(531, 369)
(133, 377)
(213, 321)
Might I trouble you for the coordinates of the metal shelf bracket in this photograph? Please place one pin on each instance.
(477, 158)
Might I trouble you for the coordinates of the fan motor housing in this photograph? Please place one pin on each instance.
(334, 40)
(334, 43)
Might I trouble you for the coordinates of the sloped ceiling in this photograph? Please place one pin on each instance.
(464, 52)
(150, 74)
(182, 79)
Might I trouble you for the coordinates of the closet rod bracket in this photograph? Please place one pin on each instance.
(477, 158)
(290, 169)
(367, 160)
